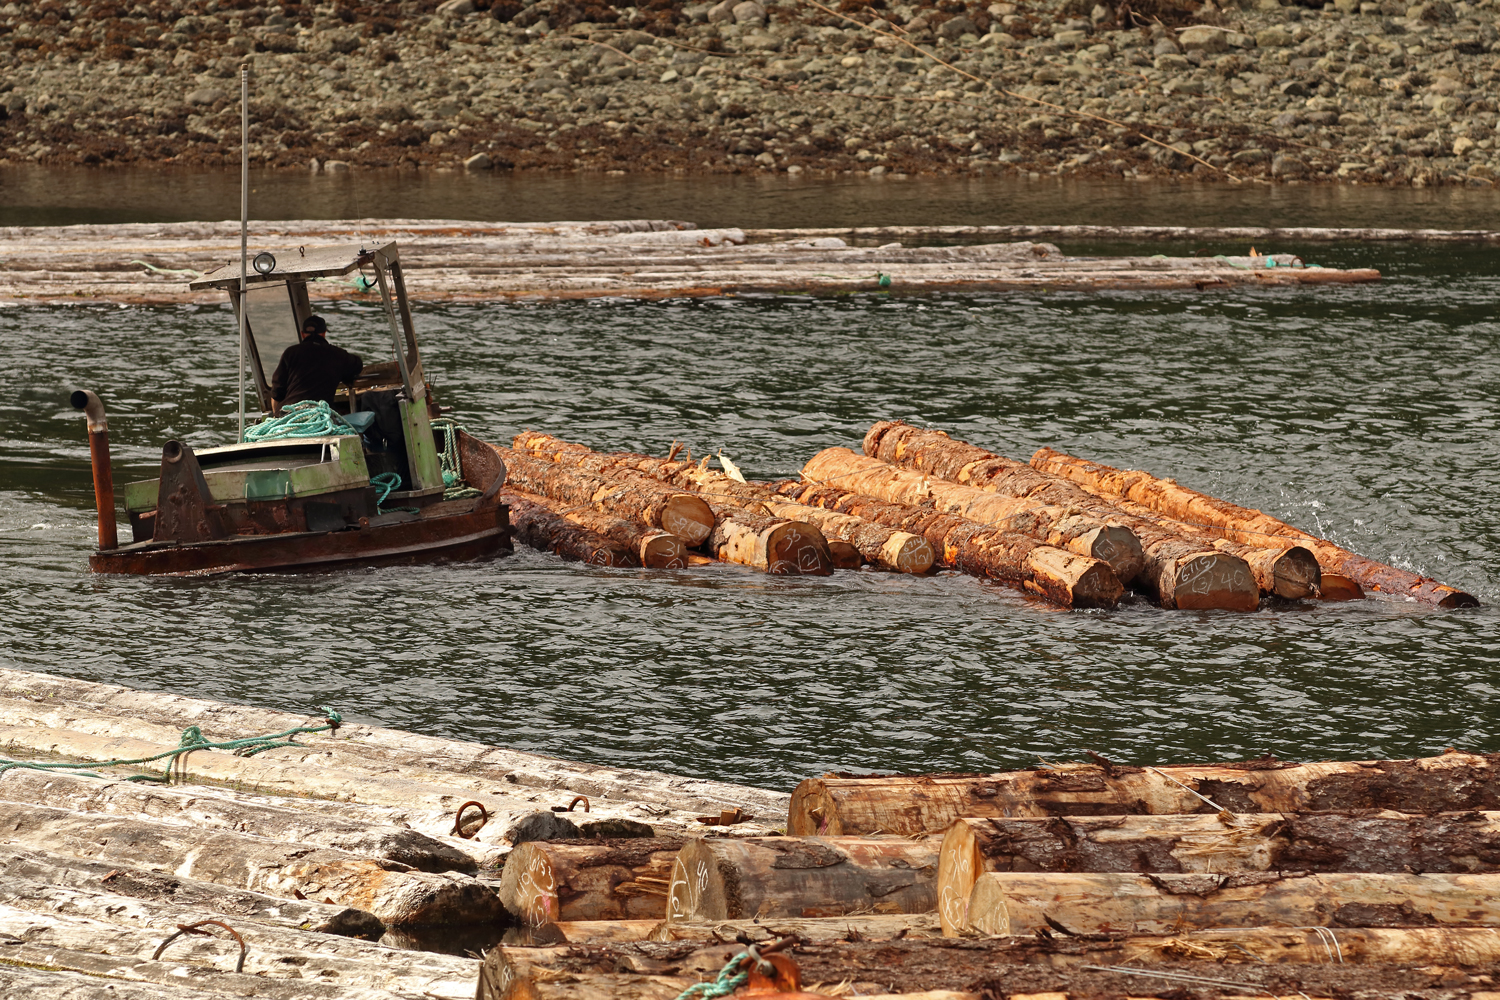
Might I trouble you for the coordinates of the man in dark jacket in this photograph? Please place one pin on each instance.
(312, 368)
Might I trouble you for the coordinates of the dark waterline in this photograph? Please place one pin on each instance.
(32, 196)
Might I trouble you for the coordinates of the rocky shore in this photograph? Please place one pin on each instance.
(1347, 92)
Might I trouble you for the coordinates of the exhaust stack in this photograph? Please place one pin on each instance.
(104, 482)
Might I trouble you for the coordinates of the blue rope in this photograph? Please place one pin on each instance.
(726, 983)
(309, 418)
(192, 739)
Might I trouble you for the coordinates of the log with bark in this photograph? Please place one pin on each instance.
(629, 498)
(1192, 843)
(1179, 570)
(102, 923)
(369, 772)
(1290, 573)
(187, 807)
(1128, 903)
(773, 545)
(391, 891)
(86, 976)
(1016, 560)
(878, 927)
(849, 806)
(1049, 523)
(881, 546)
(549, 881)
(652, 547)
(1249, 527)
(734, 879)
(540, 524)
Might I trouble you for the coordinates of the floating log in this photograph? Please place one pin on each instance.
(155, 803)
(549, 881)
(105, 924)
(1127, 903)
(723, 879)
(1193, 843)
(79, 976)
(773, 545)
(652, 547)
(1180, 570)
(1249, 527)
(632, 498)
(982, 550)
(31, 874)
(848, 806)
(356, 764)
(582, 932)
(842, 554)
(879, 545)
(742, 533)
(540, 525)
(1048, 523)
(1291, 573)
(390, 891)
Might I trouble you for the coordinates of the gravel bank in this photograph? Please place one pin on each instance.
(1351, 92)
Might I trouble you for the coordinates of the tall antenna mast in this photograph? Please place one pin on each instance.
(244, 226)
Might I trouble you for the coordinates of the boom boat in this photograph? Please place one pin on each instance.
(371, 485)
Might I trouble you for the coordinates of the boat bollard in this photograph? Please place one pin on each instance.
(104, 483)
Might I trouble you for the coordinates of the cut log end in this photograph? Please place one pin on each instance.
(1098, 587)
(794, 548)
(1295, 574)
(844, 555)
(663, 550)
(908, 553)
(1336, 587)
(1459, 599)
(1213, 580)
(1118, 546)
(687, 517)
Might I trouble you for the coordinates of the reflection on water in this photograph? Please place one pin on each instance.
(1368, 414)
(32, 196)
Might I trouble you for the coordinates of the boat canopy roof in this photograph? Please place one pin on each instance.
(299, 263)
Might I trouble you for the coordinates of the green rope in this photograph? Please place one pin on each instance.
(388, 483)
(192, 739)
(309, 418)
(453, 470)
(726, 983)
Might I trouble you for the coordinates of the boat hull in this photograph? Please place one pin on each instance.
(437, 535)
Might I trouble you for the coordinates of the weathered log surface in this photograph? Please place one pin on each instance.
(881, 927)
(116, 925)
(1131, 234)
(1291, 573)
(891, 549)
(625, 496)
(102, 980)
(500, 262)
(1249, 527)
(736, 879)
(383, 888)
(652, 547)
(539, 524)
(1047, 522)
(1369, 842)
(848, 806)
(37, 699)
(183, 807)
(1127, 903)
(1015, 560)
(21, 869)
(550, 881)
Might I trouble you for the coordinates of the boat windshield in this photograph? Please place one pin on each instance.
(272, 318)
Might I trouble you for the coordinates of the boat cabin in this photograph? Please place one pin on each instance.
(317, 483)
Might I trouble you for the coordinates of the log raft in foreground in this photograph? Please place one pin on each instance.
(1248, 527)
(1128, 903)
(1196, 843)
(503, 262)
(853, 806)
(1290, 572)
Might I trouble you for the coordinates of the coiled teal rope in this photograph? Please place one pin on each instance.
(309, 418)
(728, 980)
(453, 471)
(192, 739)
